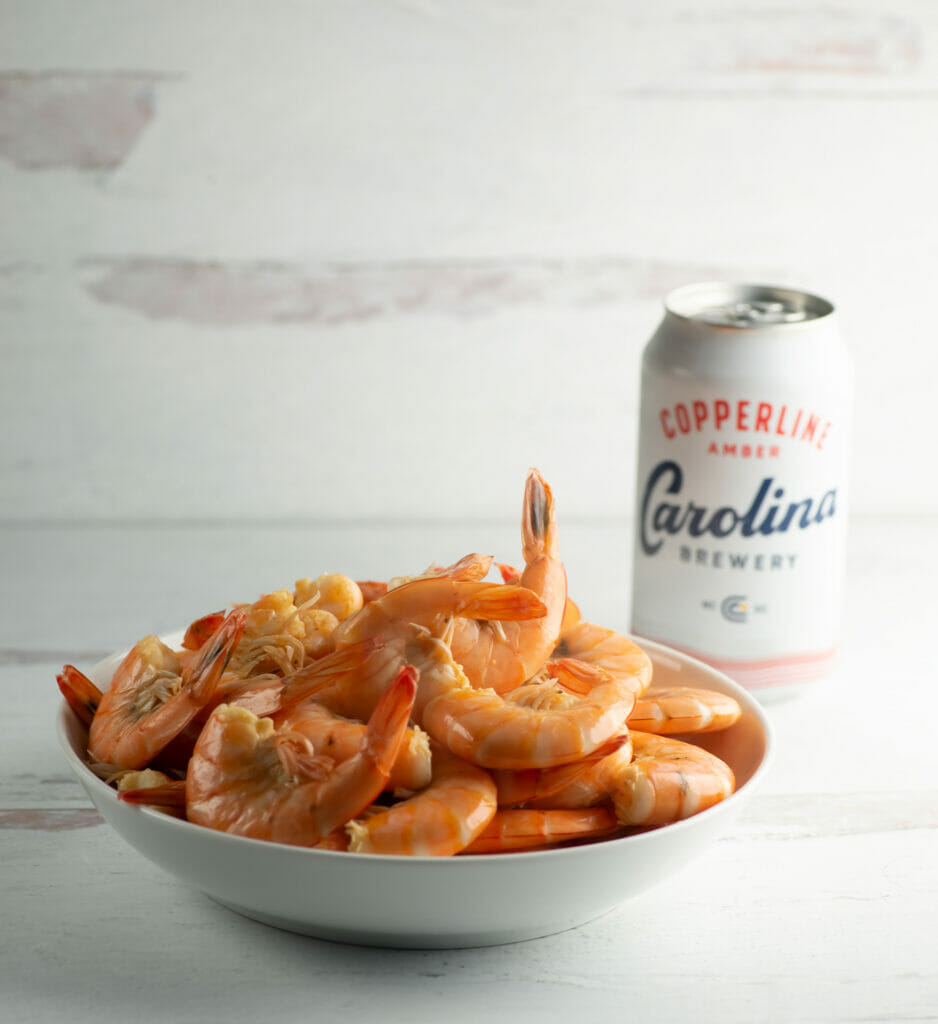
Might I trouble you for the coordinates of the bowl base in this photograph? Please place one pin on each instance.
(359, 936)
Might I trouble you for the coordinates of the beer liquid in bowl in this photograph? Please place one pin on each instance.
(741, 502)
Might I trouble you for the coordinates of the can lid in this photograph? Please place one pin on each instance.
(746, 305)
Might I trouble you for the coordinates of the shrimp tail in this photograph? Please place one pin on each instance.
(538, 524)
(169, 794)
(201, 630)
(80, 693)
(576, 676)
(213, 656)
(319, 675)
(384, 735)
(503, 602)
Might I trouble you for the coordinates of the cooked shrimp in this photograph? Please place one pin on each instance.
(477, 725)
(349, 681)
(331, 592)
(528, 830)
(439, 821)
(682, 709)
(341, 737)
(201, 629)
(261, 694)
(500, 633)
(485, 728)
(571, 612)
(371, 590)
(278, 637)
(156, 789)
(581, 784)
(469, 567)
(284, 628)
(153, 789)
(545, 693)
(248, 778)
(586, 651)
(432, 601)
(152, 698)
(272, 638)
(502, 655)
(146, 778)
(80, 693)
(666, 781)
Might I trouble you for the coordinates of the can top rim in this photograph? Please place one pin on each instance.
(718, 304)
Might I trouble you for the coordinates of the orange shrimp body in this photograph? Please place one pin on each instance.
(545, 693)
(502, 655)
(152, 697)
(666, 781)
(500, 633)
(432, 601)
(341, 738)
(488, 730)
(470, 567)
(247, 778)
(682, 709)
(283, 629)
(584, 783)
(277, 638)
(477, 725)
(527, 830)
(599, 651)
(439, 821)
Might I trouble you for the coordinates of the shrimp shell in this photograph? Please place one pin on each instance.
(527, 829)
(439, 821)
(152, 698)
(341, 738)
(246, 778)
(666, 781)
(683, 709)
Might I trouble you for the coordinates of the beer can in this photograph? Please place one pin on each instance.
(742, 483)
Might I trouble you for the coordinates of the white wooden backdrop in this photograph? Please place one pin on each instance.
(372, 258)
(271, 268)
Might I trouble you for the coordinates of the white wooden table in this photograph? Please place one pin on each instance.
(819, 906)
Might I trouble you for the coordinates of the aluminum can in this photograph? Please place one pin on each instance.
(742, 483)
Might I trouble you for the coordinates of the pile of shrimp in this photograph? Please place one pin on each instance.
(432, 715)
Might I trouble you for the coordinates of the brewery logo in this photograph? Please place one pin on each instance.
(734, 608)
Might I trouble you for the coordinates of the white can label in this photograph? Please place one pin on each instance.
(741, 516)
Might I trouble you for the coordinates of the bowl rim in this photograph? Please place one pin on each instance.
(66, 719)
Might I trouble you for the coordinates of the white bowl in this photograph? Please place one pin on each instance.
(426, 902)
